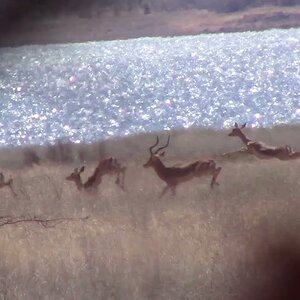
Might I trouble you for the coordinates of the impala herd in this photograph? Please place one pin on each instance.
(172, 176)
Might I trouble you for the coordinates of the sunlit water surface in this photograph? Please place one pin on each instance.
(91, 91)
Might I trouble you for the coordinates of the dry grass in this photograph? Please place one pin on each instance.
(201, 244)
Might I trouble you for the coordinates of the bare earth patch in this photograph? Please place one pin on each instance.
(107, 26)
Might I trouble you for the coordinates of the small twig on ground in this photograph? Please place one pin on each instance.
(47, 223)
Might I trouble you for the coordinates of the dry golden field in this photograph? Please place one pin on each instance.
(237, 241)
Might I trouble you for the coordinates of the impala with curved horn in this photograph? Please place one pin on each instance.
(172, 176)
(260, 149)
(109, 166)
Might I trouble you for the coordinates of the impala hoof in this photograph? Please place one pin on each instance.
(214, 183)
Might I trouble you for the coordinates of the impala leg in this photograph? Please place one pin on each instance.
(13, 191)
(163, 191)
(119, 182)
(10, 185)
(121, 178)
(241, 151)
(118, 179)
(173, 189)
(214, 178)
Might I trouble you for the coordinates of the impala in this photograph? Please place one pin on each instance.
(172, 176)
(260, 149)
(108, 166)
(7, 183)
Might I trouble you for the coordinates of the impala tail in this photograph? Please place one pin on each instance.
(294, 155)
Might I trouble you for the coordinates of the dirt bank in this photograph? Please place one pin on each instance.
(108, 26)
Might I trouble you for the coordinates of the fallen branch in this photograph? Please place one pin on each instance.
(47, 223)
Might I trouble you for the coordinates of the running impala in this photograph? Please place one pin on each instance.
(109, 166)
(260, 149)
(172, 176)
(7, 183)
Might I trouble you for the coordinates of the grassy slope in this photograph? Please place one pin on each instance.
(201, 244)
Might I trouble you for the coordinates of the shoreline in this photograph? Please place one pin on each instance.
(212, 142)
(128, 25)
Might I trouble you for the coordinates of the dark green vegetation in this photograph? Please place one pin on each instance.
(238, 241)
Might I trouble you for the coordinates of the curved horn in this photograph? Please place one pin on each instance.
(150, 149)
(163, 147)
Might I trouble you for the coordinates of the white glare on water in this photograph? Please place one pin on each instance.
(95, 90)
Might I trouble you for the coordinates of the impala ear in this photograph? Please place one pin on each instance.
(236, 125)
(244, 125)
(81, 169)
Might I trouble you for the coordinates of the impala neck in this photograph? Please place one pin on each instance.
(79, 184)
(159, 167)
(95, 179)
(243, 137)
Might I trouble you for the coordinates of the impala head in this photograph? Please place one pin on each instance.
(155, 156)
(75, 175)
(3, 182)
(236, 131)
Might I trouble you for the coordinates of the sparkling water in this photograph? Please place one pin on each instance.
(95, 90)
